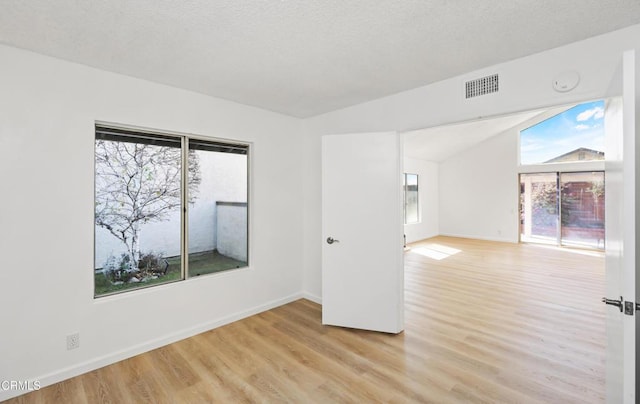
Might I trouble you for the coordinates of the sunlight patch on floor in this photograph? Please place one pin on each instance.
(434, 251)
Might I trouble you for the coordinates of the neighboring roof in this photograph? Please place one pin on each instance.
(569, 156)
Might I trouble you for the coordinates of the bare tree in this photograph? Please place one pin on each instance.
(139, 183)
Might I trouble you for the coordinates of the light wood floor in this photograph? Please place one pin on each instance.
(491, 323)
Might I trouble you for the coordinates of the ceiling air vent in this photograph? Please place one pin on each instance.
(481, 86)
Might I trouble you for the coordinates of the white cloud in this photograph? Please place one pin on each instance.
(599, 114)
(582, 127)
(595, 113)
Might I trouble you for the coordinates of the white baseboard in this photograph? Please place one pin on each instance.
(412, 238)
(93, 364)
(312, 297)
(487, 238)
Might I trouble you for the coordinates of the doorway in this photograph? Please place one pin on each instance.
(480, 214)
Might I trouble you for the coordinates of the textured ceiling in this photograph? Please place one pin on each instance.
(302, 57)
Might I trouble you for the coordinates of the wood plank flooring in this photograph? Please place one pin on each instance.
(486, 322)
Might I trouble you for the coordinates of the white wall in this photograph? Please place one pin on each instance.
(427, 199)
(312, 216)
(525, 84)
(46, 216)
(479, 190)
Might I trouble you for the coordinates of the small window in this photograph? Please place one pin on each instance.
(148, 187)
(576, 135)
(411, 207)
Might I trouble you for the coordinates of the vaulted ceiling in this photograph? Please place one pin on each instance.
(302, 57)
(439, 143)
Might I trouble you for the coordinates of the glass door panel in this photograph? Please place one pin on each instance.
(582, 210)
(539, 207)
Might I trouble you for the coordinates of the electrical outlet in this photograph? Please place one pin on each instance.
(73, 341)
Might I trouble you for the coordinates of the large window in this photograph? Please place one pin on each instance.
(576, 135)
(411, 207)
(166, 208)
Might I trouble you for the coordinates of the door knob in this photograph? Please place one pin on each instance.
(331, 240)
(613, 302)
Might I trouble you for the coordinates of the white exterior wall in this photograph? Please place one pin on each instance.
(223, 179)
(525, 84)
(428, 203)
(48, 109)
(232, 231)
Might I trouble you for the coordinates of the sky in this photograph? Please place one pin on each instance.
(580, 126)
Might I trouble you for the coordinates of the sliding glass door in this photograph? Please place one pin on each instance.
(563, 208)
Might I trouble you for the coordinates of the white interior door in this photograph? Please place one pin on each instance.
(620, 180)
(362, 232)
